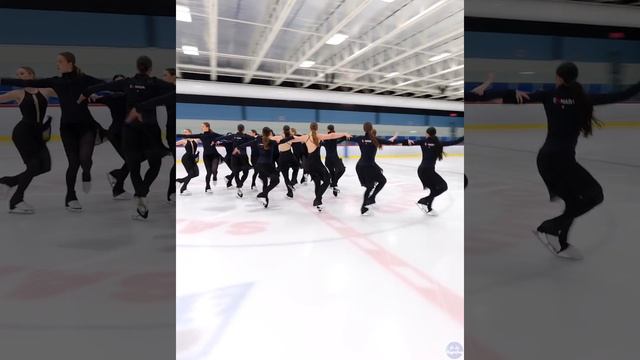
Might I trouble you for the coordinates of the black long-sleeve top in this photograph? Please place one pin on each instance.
(241, 141)
(137, 89)
(368, 150)
(208, 139)
(428, 146)
(117, 104)
(331, 146)
(69, 86)
(563, 120)
(168, 100)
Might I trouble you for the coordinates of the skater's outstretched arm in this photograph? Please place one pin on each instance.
(115, 86)
(14, 95)
(391, 141)
(452, 142)
(154, 102)
(36, 83)
(413, 143)
(602, 99)
(333, 136)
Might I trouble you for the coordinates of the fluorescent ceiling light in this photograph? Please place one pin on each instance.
(337, 39)
(388, 1)
(457, 83)
(392, 74)
(190, 50)
(307, 64)
(183, 13)
(527, 72)
(439, 57)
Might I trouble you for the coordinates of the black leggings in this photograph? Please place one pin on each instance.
(371, 178)
(432, 181)
(580, 191)
(269, 176)
(190, 164)
(336, 169)
(28, 139)
(114, 135)
(240, 164)
(142, 142)
(321, 179)
(170, 136)
(287, 161)
(78, 141)
(254, 161)
(211, 163)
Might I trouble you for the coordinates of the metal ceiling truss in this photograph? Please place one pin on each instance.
(377, 60)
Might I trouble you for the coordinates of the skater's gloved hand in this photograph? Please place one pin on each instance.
(81, 99)
(93, 98)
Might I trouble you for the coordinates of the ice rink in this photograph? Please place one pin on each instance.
(102, 288)
(289, 283)
(561, 305)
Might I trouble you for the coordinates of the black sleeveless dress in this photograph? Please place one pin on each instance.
(27, 134)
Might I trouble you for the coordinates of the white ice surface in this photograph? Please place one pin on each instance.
(288, 283)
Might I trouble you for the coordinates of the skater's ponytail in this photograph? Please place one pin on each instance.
(369, 130)
(439, 149)
(314, 133)
(266, 132)
(568, 72)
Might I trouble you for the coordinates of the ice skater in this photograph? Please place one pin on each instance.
(333, 161)
(569, 113)
(432, 151)
(77, 126)
(313, 163)
(28, 138)
(287, 161)
(189, 161)
(369, 172)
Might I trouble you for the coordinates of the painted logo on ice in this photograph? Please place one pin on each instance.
(201, 319)
(454, 350)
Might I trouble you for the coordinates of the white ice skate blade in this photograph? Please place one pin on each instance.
(22, 208)
(139, 217)
(423, 208)
(185, 193)
(74, 206)
(124, 196)
(571, 252)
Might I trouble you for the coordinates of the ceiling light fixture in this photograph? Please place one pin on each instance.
(183, 13)
(190, 50)
(456, 83)
(337, 39)
(439, 57)
(392, 74)
(307, 64)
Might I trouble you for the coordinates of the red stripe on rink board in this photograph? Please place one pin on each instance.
(429, 289)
